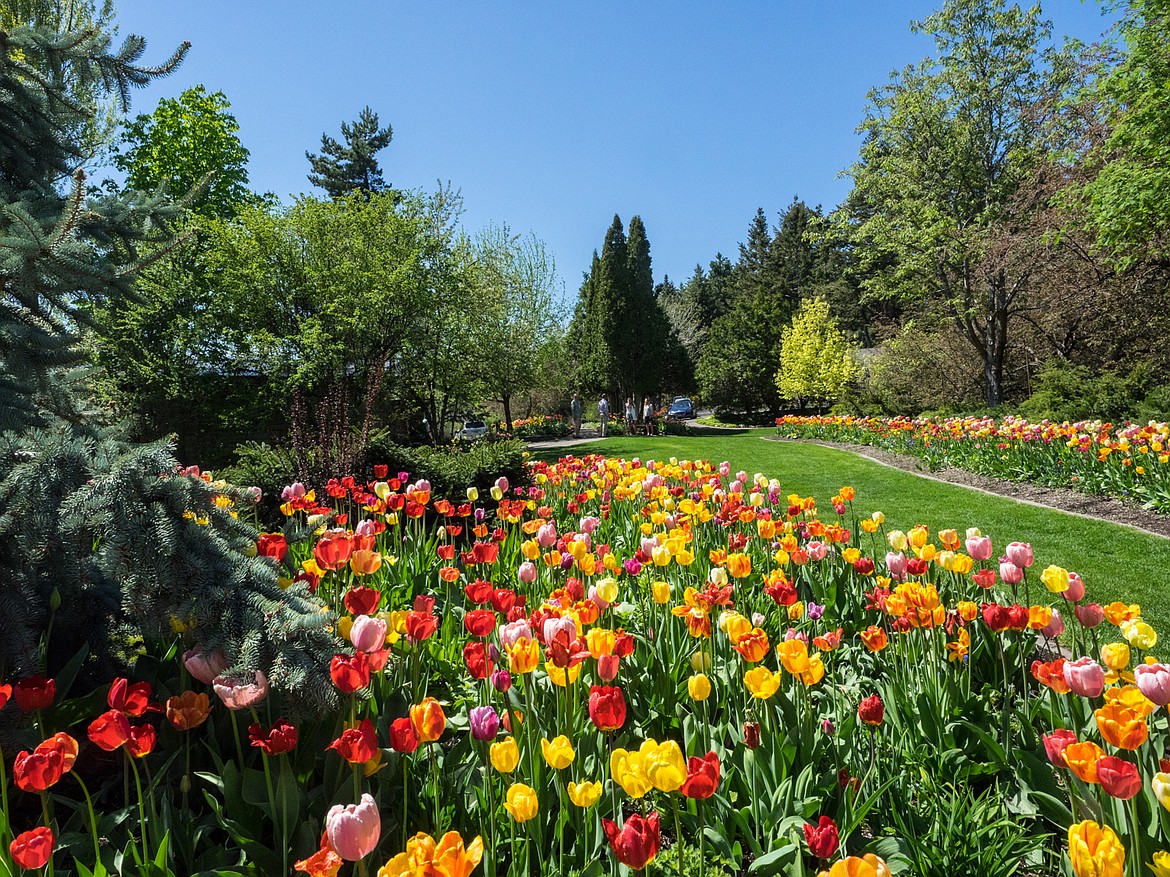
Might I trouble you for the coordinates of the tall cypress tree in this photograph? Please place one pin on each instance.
(103, 541)
(343, 168)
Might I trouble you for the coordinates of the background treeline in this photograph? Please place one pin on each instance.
(1004, 243)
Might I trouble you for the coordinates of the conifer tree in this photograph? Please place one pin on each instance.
(342, 168)
(102, 541)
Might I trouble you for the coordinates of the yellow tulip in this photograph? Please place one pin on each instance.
(628, 771)
(607, 589)
(1055, 579)
(897, 540)
(761, 682)
(1160, 786)
(562, 676)
(1139, 634)
(1095, 850)
(661, 592)
(558, 752)
(523, 656)
(1161, 864)
(815, 672)
(584, 794)
(505, 755)
(521, 800)
(699, 686)
(793, 655)
(1115, 656)
(665, 765)
(600, 642)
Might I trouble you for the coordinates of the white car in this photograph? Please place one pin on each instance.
(472, 430)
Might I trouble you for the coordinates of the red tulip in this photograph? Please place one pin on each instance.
(822, 839)
(110, 730)
(5, 693)
(871, 710)
(420, 625)
(478, 591)
(350, 672)
(1055, 744)
(33, 849)
(38, 770)
(635, 844)
(1118, 777)
(402, 735)
(133, 700)
(332, 550)
(702, 776)
(34, 693)
(272, 545)
(141, 741)
(480, 622)
(475, 656)
(281, 739)
(751, 734)
(357, 745)
(607, 707)
(361, 600)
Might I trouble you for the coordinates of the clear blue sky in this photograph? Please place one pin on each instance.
(553, 116)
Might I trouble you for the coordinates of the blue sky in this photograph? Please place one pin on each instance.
(553, 116)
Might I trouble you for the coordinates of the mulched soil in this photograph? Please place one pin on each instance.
(1100, 507)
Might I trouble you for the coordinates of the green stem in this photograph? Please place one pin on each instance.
(48, 824)
(141, 807)
(677, 836)
(6, 833)
(93, 829)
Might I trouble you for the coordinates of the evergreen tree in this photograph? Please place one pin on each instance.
(342, 168)
(100, 540)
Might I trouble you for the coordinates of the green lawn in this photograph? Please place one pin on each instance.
(1117, 563)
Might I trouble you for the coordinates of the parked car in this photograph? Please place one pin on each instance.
(681, 409)
(472, 430)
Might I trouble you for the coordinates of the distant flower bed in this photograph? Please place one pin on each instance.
(1130, 461)
(537, 426)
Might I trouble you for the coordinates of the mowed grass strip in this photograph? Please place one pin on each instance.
(1116, 562)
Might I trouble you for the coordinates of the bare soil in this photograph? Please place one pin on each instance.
(1099, 507)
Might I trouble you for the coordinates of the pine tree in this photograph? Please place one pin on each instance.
(103, 542)
(341, 169)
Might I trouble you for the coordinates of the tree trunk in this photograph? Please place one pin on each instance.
(506, 400)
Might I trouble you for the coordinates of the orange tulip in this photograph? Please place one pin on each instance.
(1121, 726)
(1081, 759)
(874, 638)
(753, 646)
(188, 710)
(428, 719)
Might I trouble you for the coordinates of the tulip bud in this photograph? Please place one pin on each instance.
(699, 687)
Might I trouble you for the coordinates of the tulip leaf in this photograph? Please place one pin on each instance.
(775, 861)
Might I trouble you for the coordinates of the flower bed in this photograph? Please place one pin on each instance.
(1131, 461)
(659, 664)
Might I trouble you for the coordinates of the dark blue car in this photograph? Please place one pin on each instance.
(680, 409)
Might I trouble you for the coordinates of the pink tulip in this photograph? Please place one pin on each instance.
(979, 549)
(596, 598)
(354, 829)
(1085, 677)
(589, 524)
(1089, 614)
(793, 633)
(1154, 682)
(1010, 573)
(1019, 553)
(1055, 627)
(366, 528)
(817, 550)
(757, 619)
(241, 695)
(513, 631)
(566, 627)
(546, 536)
(724, 468)
(368, 634)
(1055, 744)
(896, 564)
(607, 667)
(502, 483)
(293, 491)
(648, 545)
(527, 572)
(204, 666)
(1076, 588)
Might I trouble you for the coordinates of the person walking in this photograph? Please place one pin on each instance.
(603, 412)
(576, 408)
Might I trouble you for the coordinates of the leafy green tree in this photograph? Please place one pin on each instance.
(816, 362)
(188, 144)
(948, 143)
(101, 540)
(515, 278)
(1129, 200)
(341, 168)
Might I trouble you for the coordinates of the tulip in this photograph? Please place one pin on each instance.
(979, 547)
(1118, 777)
(484, 721)
(665, 765)
(1055, 744)
(428, 719)
(1089, 614)
(607, 707)
(504, 755)
(34, 693)
(1055, 579)
(558, 752)
(1019, 553)
(628, 770)
(1076, 588)
(188, 710)
(871, 710)
(526, 572)
(357, 745)
(762, 683)
(402, 737)
(1121, 727)
(584, 794)
(241, 695)
(368, 634)
(521, 802)
(448, 858)
(1154, 682)
(131, 699)
(32, 849)
(1082, 759)
(1095, 850)
(699, 687)
(1139, 634)
(1010, 573)
(110, 730)
(636, 843)
(1055, 626)
(702, 776)
(1085, 677)
(282, 738)
(822, 839)
(868, 865)
(354, 829)
(1161, 864)
(751, 734)
(1160, 786)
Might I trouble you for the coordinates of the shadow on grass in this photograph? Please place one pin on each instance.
(718, 431)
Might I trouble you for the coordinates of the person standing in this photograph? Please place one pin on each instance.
(631, 415)
(648, 415)
(577, 408)
(603, 413)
